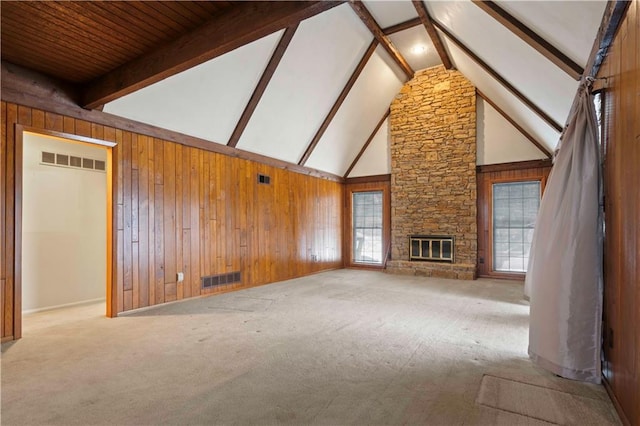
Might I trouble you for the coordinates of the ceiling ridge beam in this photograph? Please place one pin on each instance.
(493, 73)
(366, 144)
(367, 18)
(518, 127)
(229, 30)
(413, 22)
(529, 36)
(262, 84)
(336, 106)
(433, 34)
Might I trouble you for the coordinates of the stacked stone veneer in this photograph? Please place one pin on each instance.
(433, 171)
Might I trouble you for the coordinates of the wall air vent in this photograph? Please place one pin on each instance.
(72, 161)
(48, 157)
(264, 179)
(212, 281)
(62, 160)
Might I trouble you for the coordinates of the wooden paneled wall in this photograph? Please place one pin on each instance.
(622, 216)
(184, 209)
(486, 177)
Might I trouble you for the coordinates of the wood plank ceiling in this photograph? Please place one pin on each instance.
(308, 83)
(79, 41)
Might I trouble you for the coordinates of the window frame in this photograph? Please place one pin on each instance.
(367, 186)
(492, 222)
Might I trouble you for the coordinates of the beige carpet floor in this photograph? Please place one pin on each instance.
(340, 347)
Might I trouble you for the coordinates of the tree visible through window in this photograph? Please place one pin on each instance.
(367, 227)
(515, 207)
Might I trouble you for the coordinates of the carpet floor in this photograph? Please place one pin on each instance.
(340, 347)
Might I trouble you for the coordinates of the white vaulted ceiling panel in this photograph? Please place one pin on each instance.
(363, 108)
(205, 101)
(317, 64)
(570, 26)
(376, 159)
(410, 44)
(539, 79)
(499, 141)
(388, 13)
(511, 105)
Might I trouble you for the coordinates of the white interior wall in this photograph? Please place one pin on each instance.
(64, 226)
(376, 160)
(499, 141)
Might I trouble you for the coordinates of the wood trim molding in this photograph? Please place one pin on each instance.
(414, 22)
(521, 129)
(365, 16)
(242, 24)
(33, 94)
(493, 73)
(112, 212)
(366, 144)
(262, 84)
(520, 165)
(612, 18)
(368, 179)
(433, 34)
(336, 106)
(542, 46)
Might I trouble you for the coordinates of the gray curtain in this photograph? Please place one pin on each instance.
(564, 278)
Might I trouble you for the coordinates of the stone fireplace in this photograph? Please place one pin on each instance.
(433, 171)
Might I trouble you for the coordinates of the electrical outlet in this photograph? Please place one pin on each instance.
(180, 277)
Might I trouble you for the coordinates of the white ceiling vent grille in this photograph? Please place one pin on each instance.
(72, 162)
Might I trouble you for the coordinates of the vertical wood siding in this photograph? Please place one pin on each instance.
(622, 216)
(183, 209)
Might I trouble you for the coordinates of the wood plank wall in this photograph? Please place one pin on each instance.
(184, 209)
(622, 216)
(486, 177)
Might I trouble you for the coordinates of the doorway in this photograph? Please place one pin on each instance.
(63, 222)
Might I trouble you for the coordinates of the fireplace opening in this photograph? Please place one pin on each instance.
(438, 248)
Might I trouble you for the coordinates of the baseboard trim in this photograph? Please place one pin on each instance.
(66, 305)
(623, 418)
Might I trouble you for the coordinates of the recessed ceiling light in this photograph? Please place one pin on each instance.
(418, 49)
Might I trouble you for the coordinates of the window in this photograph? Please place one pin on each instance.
(515, 207)
(367, 226)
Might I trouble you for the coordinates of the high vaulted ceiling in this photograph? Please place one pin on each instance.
(309, 83)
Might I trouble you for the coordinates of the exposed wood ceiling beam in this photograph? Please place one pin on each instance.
(32, 89)
(262, 84)
(433, 34)
(613, 15)
(368, 19)
(414, 22)
(366, 144)
(242, 24)
(545, 48)
(338, 102)
(550, 121)
(507, 117)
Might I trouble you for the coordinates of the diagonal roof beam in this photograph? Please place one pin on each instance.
(413, 22)
(338, 103)
(545, 48)
(244, 23)
(550, 121)
(433, 34)
(366, 144)
(262, 84)
(507, 117)
(365, 16)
